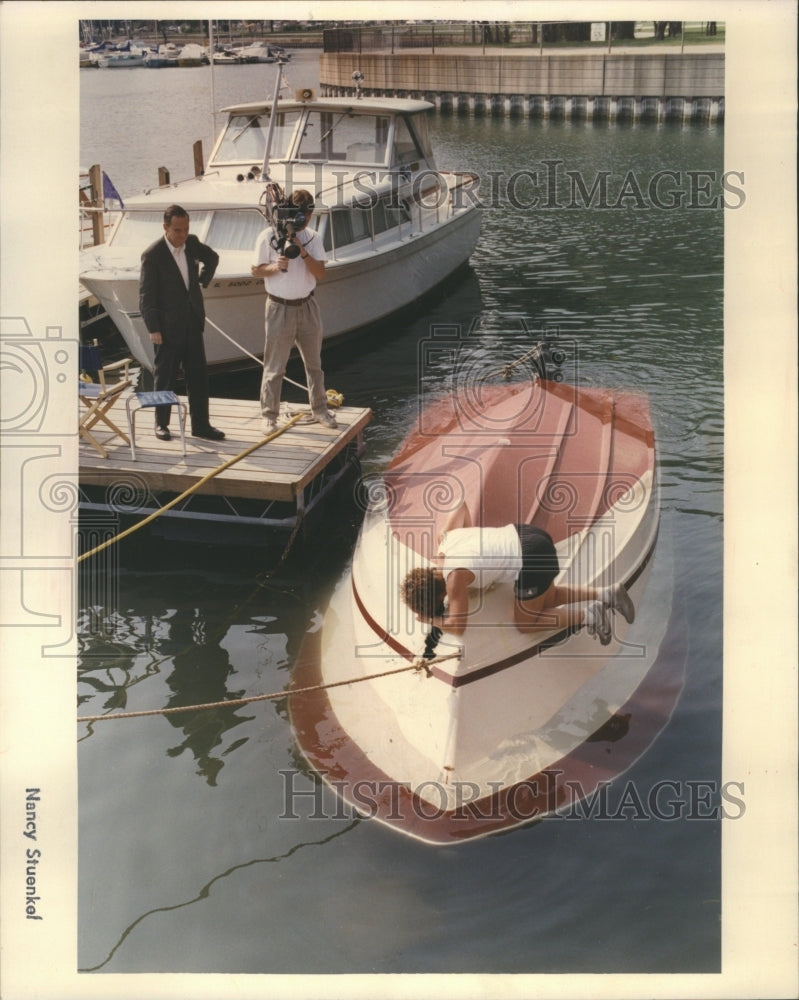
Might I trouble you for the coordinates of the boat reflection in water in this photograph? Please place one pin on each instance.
(393, 225)
(501, 727)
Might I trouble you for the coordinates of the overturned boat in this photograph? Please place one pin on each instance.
(494, 728)
(394, 226)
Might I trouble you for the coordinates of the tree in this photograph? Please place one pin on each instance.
(624, 30)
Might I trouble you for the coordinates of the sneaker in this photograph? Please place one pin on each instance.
(617, 599)
(162, 433)
(597, 622)
(326, 419)
(268, 425)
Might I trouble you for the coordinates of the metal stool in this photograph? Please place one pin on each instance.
(147, 400)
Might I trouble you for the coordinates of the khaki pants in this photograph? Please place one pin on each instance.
(286, 326)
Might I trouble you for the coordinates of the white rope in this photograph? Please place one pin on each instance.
(254, 357)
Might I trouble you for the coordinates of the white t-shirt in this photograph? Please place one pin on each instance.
(494, 555)
(297, 282)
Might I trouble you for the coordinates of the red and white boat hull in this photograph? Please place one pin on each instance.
(499, 731)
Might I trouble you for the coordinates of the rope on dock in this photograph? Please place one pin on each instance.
(419, 664)
(192, 489)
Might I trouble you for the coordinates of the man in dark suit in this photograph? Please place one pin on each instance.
(172, 307)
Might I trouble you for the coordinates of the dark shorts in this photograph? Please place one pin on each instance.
(539, 562)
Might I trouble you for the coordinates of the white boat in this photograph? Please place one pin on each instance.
(394, 226)
(87, 57)
(500, 728)
(94, 56)
(193, 54)
(227, 57)
(127, 59)
(162, 57)
(123, 60)
(257, 52)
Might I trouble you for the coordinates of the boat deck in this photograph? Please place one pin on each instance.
(294, 468)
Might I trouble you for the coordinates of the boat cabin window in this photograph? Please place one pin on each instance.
(140, 229)
(411, 143)
(345, 136)
(360, 222)
(388, 213)
(341, 222)
(235, 230)
(244, 138)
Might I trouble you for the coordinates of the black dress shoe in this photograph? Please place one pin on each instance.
(210, 433)
(162, 433)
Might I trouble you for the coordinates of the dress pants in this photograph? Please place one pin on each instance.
(187, 350)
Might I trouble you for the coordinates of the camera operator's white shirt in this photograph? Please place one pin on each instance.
(297, 282)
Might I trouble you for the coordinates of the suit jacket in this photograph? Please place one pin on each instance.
(166, 305)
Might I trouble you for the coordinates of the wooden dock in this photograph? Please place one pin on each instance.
(274, 486)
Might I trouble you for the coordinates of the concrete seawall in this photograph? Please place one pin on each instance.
(654, 85)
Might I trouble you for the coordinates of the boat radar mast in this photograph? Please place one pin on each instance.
(281, 62)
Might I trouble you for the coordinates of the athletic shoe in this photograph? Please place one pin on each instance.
(326, 419)
(619, 600)
(268, 425)
(597, 622)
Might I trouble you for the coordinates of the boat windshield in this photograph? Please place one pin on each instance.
(244, 138)
(346, 136)
(411, 141)
(140, 229)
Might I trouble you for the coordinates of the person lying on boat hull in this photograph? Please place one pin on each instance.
(477, 557)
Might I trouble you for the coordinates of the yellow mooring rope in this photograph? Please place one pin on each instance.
(235, 702)
(192, 489)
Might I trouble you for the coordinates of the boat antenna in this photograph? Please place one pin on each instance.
(213, 79)
(281, 62)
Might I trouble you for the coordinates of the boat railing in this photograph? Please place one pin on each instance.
(414, 210)
(95, 224)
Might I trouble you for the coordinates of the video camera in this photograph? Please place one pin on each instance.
(288, 219)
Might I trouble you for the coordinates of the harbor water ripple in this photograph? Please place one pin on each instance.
(188, 861)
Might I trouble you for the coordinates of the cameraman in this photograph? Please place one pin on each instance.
(291, 262)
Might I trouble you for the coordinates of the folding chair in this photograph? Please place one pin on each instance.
(100, 396)
(146, 400)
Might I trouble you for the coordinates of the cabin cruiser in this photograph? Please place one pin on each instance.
(394, 226)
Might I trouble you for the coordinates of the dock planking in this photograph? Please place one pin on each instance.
(279, 470)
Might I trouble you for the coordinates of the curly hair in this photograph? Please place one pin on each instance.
(423, 590)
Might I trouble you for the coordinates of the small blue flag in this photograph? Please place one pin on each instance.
(110, 193)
